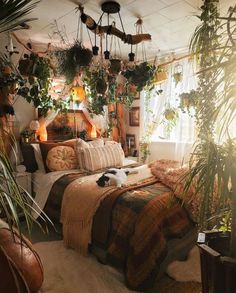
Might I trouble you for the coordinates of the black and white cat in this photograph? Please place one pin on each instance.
(115, 176)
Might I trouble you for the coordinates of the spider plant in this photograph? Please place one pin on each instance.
(14, 201)
(13, 14)
(213, 163)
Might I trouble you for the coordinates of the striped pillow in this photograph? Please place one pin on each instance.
(81, 144)
(102, 157)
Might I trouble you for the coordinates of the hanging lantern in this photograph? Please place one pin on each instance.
(78, 94)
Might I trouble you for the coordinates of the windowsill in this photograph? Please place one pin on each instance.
(171, 142)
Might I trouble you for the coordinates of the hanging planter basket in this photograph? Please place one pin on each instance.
(101, 86)
(115, 67)
(160, 75)
(82, 55)
(178, 73)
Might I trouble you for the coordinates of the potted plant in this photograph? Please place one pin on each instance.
(160, 75)
(13, 246)
(188, 101)
(141, 76)
(212, 175)
(70, 60)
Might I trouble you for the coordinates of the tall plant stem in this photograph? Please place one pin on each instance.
(233, 224)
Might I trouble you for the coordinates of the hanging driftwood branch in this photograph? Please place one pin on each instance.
(98, 29)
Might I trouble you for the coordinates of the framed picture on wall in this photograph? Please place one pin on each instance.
(134, 114)
(130, 141)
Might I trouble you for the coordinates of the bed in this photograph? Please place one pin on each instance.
(139, 228)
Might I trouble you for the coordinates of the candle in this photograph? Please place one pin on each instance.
(129, 143)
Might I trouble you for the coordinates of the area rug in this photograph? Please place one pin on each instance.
(189, 270)
(65, 271)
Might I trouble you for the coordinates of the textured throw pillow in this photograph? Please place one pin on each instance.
(110, 142)
(46, 147)
(81, 144)
(61, 158)
(102, 157)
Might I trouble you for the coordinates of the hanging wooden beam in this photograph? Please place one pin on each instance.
(98, 29)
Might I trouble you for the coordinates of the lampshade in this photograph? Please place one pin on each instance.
(93, 133)
(34, 125)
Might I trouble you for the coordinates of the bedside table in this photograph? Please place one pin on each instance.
(24, 180)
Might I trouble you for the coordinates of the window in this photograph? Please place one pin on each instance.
(183, 130)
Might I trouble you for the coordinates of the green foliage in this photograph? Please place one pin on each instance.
(142, 76)
(213, 165)
(37, 85)
(189, 101)
(13, 13)
(71, 60)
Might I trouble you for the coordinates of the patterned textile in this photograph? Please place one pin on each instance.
(102, 157)
(61, 158)
(45, 147)
(81, 144)
(142, 222)
(53, 205)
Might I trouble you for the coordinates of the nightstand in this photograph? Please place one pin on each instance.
(24, 180)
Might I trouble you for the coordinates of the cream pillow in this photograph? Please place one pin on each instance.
(81, 144)
(102, 157)
(61, 158)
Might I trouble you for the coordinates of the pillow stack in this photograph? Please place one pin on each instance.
(95, 155)
(76, 154)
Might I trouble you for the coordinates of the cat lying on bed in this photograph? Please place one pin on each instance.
(114, 176)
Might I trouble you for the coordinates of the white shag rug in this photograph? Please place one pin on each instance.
(65, 271)
(186, 271)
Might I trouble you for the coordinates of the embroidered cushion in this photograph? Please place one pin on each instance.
(46, 147)
(61, 158)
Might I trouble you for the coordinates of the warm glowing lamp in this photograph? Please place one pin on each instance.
(93, 133)
(42, 133)
(34, 126)
(78, 94)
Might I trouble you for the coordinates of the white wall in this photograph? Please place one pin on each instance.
(169, 150)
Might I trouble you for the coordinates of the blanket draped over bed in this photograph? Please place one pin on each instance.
(132, 224)
(80, 201)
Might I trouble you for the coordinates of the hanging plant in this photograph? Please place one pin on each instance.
(37, 85)
(96, 86)
(72, 59)
(115, 67)
(171, 116)
(189, 101)
(178, 74)
(160, 75)
(141, 76)
(8, 85)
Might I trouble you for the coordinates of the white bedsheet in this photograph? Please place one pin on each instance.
(43, 182)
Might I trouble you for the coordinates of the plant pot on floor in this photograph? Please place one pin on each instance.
(218, 271)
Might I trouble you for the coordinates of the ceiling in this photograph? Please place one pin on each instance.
(170, 22)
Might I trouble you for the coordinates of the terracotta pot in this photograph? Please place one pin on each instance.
(19, 263)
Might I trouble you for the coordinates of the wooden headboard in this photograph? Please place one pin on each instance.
(65, 125)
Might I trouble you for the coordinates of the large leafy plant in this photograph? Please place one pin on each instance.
(213, 163)
(37, 86)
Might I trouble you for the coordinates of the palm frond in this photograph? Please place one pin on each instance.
(13, 12)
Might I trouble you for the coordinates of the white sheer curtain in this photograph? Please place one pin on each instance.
(183, 133)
